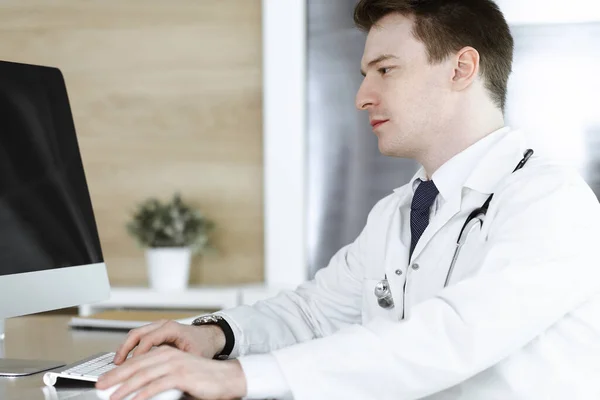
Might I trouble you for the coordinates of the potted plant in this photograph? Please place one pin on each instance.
(170, 232)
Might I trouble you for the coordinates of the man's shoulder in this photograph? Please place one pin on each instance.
(546, 176)
(542, 168)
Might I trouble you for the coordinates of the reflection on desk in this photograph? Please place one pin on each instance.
(51, 393)
(49, 337)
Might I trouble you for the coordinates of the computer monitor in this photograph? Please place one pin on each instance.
(50, 255)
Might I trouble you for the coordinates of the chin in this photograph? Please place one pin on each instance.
(386, 151)
(390, 150)
(396, 142)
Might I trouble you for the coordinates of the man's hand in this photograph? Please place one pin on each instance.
(203, 341)
(167, 368)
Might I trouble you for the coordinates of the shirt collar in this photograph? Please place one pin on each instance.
(454, 173)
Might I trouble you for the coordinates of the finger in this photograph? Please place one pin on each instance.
(167, 333)
(133, 338)
(131, 367)
(144, 378)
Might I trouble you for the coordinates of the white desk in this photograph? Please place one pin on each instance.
(49, 338)
(195, 297)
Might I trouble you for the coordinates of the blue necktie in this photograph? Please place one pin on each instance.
(423, 198)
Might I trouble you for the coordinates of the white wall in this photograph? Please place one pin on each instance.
(520, 12)
(284, 103)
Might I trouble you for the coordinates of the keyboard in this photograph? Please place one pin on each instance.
(88, 369)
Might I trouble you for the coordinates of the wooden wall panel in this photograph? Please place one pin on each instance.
(166, 96)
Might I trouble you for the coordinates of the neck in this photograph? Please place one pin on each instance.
(457, 135)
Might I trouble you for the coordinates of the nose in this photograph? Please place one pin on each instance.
(366, 96)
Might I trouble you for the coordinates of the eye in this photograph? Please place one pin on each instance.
(384, 70)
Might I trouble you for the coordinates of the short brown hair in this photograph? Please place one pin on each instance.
(446, 26)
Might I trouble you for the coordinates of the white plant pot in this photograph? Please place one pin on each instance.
(168, 268)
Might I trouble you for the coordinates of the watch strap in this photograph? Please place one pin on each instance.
(227, 331)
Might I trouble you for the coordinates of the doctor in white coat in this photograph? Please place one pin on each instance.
(519, 317)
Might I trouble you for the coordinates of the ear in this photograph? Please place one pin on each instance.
(466, 68)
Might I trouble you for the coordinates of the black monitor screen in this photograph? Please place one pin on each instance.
(46, 217)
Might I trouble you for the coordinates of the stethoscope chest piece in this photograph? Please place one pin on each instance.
(384, 294)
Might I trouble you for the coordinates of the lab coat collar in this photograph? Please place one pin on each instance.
(452, 175)
(499, 162)
(486, 159)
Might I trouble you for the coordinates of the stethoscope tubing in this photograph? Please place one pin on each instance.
(462, 239)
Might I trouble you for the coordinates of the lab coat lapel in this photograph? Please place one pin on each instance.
(397, 255)
(397, 249)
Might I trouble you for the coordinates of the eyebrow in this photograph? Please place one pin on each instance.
(379, 59)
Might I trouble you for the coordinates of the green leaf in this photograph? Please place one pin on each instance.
(171, 224)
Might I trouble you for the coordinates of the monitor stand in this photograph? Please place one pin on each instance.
(14, 368)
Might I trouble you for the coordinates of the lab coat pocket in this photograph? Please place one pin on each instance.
(370, 307)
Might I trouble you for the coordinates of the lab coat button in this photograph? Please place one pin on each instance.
(398, 272)
(415, 266)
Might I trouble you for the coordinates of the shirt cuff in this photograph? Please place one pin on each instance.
(264, 378)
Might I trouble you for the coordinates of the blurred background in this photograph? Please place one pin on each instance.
(166, 96)
(246, 107)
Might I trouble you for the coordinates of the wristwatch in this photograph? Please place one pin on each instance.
(212, 319)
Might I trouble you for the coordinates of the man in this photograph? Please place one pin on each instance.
(518, 317)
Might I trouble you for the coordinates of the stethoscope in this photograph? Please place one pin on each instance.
(382, 289)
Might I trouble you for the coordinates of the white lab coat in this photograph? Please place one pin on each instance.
(520, 319)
